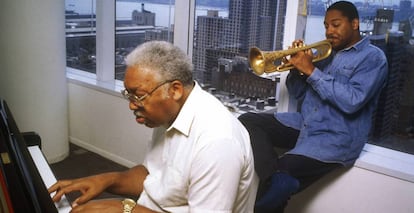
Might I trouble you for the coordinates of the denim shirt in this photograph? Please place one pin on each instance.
(338, 102)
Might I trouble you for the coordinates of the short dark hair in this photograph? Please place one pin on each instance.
(347, 9)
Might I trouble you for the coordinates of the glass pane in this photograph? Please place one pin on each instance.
(390, 28)
(140, 21)
(223, 34)
(80, 34)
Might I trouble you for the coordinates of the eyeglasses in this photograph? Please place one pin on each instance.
(139, 100)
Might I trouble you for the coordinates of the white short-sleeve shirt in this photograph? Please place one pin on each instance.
(202, 163)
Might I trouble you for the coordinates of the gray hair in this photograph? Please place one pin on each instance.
(169, 61)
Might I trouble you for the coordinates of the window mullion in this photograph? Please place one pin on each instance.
(296, 26)
(105, 40)
(184, 24)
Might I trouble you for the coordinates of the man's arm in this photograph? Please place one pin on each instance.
(129, 182)
(350, 90)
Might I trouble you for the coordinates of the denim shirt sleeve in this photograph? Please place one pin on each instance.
(351, 84)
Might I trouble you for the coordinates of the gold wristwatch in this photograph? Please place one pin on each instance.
(129, 204)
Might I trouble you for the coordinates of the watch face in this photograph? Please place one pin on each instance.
(129, 202)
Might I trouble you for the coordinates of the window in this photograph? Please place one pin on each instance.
(81, 34)
(224, 31)
(137, 22)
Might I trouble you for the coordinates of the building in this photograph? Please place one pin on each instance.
(383, 21)
(144, 17)
(387, 109)
(221, 43)
(405, 123)
(209, 35)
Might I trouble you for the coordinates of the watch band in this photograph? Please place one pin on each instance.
(129, 205)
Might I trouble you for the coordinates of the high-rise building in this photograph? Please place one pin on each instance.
(383, 21)
(209, 35)
(405, 117)
(253, 23)
(386, 116)
(221, 44)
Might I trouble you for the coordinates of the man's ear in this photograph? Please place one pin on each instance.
(176, 90)
(355, 24)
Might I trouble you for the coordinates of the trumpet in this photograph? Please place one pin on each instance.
(272, 61)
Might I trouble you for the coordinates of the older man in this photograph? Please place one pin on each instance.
(200, 158)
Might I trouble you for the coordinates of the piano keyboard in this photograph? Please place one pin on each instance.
(48, 177)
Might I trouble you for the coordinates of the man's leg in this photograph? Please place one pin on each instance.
(306, 170)
(295, 173)
(266, 132)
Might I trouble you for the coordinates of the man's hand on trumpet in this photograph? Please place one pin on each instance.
(301, 60)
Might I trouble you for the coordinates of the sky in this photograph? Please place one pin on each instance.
(386, 2)
(378, 2)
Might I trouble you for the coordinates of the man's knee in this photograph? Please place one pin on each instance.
(248, 118)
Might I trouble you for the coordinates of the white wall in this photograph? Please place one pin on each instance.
(103, 123)
(355, 190)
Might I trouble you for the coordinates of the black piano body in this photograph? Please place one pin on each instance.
(22, 188)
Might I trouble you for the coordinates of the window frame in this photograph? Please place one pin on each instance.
(374, 158)
(105, 40)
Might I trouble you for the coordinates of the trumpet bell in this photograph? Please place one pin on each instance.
(272, 61)
(260, 62)
(257, 60)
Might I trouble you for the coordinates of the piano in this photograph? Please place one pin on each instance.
(25, 174)
(48, 177)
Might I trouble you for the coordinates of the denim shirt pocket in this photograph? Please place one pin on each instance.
(344, 74)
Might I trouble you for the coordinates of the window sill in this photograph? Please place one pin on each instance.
(387, 161)
(374, 158)
(89, 80)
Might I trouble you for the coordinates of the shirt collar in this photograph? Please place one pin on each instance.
(187, 113)
(359, 45)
